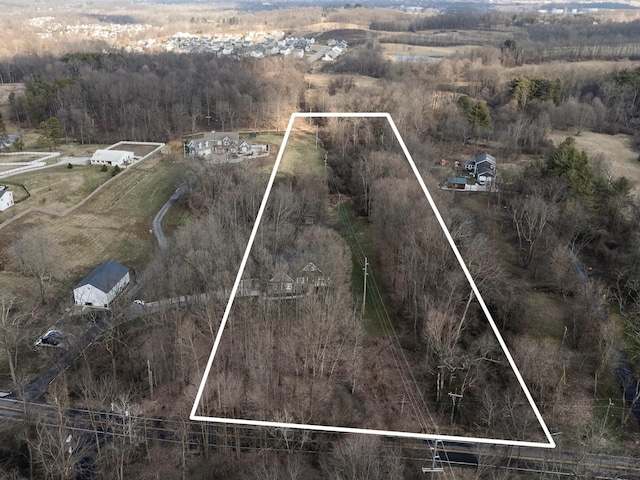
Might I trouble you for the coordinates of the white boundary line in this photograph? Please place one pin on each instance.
(551, 443)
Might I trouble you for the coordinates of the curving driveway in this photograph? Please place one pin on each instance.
(157, 220)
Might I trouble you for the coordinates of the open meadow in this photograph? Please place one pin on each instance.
(614, 150)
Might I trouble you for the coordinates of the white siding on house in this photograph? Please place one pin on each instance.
(6, 199)
(90, 295)
(102, 285)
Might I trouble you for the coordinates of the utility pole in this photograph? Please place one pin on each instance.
(364, 294)
(455, 398)
(436, 462)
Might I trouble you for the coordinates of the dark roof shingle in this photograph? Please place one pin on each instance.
(104, 277)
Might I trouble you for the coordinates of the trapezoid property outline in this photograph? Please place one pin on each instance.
(463, 266)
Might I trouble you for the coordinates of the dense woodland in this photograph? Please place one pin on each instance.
(558, 206)
(99, 98)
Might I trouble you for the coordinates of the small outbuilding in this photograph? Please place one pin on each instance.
(102, 285)
(457, 183)
(113, 158)
(6, 198)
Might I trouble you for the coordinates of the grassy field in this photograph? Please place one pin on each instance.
(615, 149)
(114, 224)
(321, 80)
(301, 154)
(18, 158)
(56, 188)
(390, 50)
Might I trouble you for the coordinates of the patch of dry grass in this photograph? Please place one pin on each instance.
(114, 224)
(301, 154)
(390, 50)
(56, 188)
(136, 148)
(615, 149)
(321, 80)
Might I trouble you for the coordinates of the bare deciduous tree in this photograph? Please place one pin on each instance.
(15, 328)
(530, 216)
(362, 457)
(36, 255)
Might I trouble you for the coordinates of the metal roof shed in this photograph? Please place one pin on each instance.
(101, 285)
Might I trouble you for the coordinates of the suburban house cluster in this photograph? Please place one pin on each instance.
(6, 198)
(332, 51)
(256, 44)
(223, 144)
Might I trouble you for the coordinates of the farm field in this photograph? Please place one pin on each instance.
(321, 80)
(391, 50)
(114, 224)
(56, 188)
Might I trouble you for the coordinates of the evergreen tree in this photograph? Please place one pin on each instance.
(479, 115)
(3, 130)
(573, 166)
(51, 132)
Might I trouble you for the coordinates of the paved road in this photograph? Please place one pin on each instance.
(318, 55)
(447, 454)
(157, 221)
(100, 321)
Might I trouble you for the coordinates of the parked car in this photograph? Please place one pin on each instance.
(139, 302)
(52, 337)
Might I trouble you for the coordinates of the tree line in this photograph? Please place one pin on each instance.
(101, 98)
(540, 38)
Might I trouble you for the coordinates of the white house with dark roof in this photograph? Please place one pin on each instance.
(483, 167)
(102, 285)
(112, 158)
(6, 198)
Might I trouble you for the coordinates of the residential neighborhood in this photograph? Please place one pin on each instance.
(253, 45)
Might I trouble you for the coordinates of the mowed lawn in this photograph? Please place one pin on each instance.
(114, 224)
